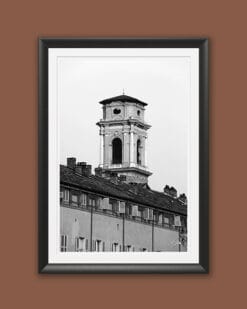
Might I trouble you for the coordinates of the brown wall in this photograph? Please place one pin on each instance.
(21, 23)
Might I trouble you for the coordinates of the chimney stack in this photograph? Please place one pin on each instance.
(183, 198)
(167, 190)
(80, 167)
(88, 170)
(113, 176)
(71, 162)
(171, 191)
(84, 169)
(98, 171)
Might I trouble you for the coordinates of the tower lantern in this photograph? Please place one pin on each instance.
(123, 135)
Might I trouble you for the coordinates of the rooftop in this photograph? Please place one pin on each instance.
(135, 193)
(122, 98)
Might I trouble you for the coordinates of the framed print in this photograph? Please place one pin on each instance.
(123, 155)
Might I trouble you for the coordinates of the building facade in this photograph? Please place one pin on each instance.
(115, 209)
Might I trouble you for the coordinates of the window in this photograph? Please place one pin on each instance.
(116, 247)
(64, 242)
(156, 217)
(66, 195)
(128, 209)
(83, 199)
(138, 113)
(74, 198)
(98, 202)
(117, 151)
(140, 209)
(135, 211)
(166, 220)
(130, 248)
(61, 196)
(138, 152)
(115, 206)
(81, 244)
(91, 202)
(99, 245)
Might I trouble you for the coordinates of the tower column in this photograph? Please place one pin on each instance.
(125, 148)
(101, 147)
(131, 145)
(145, 151)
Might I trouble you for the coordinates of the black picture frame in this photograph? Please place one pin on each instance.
(43, 265)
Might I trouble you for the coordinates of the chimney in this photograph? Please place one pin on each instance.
(173, 192)
(167, 190)
(183, 198)
(98, 171)
(84, 169)
(88, 170)
(113, 176)
(71, 162)
(107, 174)
(79, 168)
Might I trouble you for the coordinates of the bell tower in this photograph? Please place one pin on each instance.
(123, 135)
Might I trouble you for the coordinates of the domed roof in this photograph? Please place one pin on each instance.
(122, 98)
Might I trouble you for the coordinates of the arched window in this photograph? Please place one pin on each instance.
(117, 151)
(138, 152)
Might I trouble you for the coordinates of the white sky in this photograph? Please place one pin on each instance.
(162, 82)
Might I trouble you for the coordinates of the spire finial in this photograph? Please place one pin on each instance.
(123, 91)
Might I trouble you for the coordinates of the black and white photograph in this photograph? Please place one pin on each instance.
(123, 156)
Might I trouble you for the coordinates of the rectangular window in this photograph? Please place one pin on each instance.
(66, 195)
(91, 202)
(98, 245)
(74, 198)
(160, 218)
(61, 196)
(121, 207)
(156, 217)
(116, 247)
(128, 210)
(104, 204)
(83, 199)
(80, 244)
(64, 242)
(98, 202)
(129, 248)
(166, 220)
(140, 210)
(135, 211)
